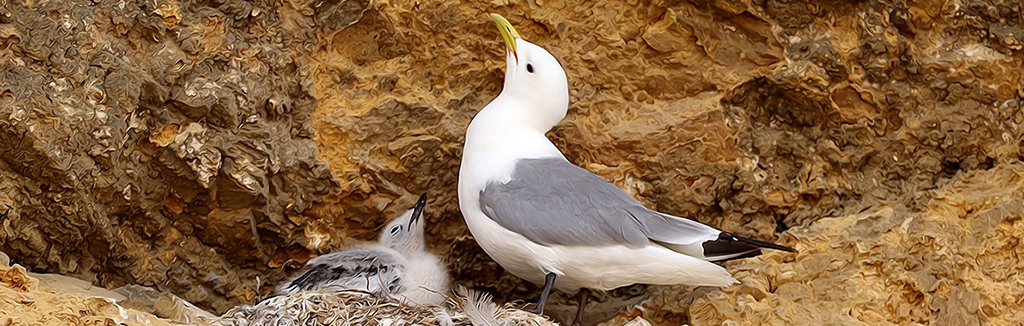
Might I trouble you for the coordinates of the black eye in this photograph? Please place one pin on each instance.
(529, 68)
(396, 229)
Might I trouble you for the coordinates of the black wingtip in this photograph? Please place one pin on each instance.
(729, 245)
(759, 243)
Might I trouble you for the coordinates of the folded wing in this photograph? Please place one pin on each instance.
(371, 269)
(554, 202)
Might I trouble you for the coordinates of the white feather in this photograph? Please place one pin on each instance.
(478, 307)
(443, 318)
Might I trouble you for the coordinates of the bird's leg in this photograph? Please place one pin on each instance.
(582, 296)
(549, 280)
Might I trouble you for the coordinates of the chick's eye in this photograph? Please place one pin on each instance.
(529, 68)
(396, 229)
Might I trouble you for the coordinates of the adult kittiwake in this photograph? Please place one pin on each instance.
(543, 218)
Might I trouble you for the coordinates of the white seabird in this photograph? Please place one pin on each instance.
(541, 217)
(397, 266)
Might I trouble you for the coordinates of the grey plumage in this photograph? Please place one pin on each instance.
(398, 266)
(373, 269)
(551, 201)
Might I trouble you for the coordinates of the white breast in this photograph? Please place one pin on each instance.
(427, 280)
(493, 145)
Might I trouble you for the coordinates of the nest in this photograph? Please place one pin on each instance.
(351, 307)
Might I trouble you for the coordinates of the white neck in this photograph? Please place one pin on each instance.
(510, 112)
(526, 110)
(503, 126)
(499, 135)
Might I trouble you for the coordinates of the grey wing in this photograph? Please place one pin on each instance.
(554, 202)
(371, 269)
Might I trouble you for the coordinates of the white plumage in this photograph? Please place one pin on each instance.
(548, 221)
(397, 266)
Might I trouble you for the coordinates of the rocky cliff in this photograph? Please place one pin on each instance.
(205, 148)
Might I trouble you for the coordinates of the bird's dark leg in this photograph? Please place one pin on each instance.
(549, 280)
(582, 296)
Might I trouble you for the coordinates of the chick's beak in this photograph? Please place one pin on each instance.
(508, 33)
(417, 211)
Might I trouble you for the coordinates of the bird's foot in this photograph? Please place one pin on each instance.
(583, 295)
(533, 308)
(549, 280)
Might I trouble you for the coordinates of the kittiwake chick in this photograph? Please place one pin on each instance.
(397, 266)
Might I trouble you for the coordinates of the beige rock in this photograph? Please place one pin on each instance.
(24, 300)
(198, 147)
(954, 263)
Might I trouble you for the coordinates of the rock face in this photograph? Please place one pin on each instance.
(956, 262)
(164, 144)
(26, 300)
(193, 146)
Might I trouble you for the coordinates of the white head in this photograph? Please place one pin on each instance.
(405, 233)
(533, 78)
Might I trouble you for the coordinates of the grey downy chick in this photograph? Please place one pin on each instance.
(397, 266)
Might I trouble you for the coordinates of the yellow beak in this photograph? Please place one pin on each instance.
(508, 33)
